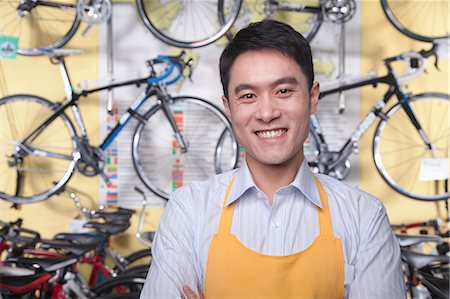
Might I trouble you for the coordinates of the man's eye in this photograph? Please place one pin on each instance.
(247, 96)
(284, 91)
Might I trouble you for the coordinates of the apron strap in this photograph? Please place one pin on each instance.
(324, 213)
(227, 212)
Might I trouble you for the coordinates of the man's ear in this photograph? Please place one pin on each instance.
(314, 97)
(226, 105)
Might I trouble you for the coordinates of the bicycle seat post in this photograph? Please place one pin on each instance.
(68, 89)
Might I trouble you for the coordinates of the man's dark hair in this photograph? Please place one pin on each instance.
(271, 35)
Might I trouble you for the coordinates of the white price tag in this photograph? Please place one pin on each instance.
(433, 169)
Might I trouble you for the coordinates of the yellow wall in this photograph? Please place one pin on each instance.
(37, 76)
(380, 40)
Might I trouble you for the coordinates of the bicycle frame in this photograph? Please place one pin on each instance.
(155, 86)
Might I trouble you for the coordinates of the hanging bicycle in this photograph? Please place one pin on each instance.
(177, 137)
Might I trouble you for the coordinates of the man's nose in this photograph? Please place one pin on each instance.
(267, 109)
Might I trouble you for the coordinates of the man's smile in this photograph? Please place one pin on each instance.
(271, 133)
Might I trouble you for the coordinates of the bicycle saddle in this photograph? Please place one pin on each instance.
(410, 240)
(80, 238)
(420, 260)
(120, 214)
(108, 227)
(46, 264)
(7, 271)
(75, 249)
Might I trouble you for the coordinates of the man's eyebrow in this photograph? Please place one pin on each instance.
(284, 80)
(241, 87)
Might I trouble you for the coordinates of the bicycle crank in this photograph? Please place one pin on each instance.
(91, 162)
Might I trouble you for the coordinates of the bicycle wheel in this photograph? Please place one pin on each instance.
(188, 23)
(305, 16)
(157, 157)
(136, 259)
(422, 20)
(126, 286)
(399, 152)
(35, 172)
(39, 24)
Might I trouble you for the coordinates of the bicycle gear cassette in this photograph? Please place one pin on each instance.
(94, 12)
(339, 11)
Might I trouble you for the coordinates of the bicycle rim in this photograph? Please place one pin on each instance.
(157, 157)
(188, 23)
(422, 20)
(37, 177)
(38, 25)
(307, 23)
(399, 152)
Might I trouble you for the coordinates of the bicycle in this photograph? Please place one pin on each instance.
(53, 272)
(410, 151)
(426, 273)
(419, 20)
(40, 148)
(50, 24)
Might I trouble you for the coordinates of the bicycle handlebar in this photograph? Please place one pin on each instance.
(173, 62)
(417, 62)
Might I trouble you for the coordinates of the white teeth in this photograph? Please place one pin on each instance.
(270, 134)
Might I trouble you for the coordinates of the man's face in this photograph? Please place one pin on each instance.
(269, 106)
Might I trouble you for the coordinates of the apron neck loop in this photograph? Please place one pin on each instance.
(324, 212)
(227, 212)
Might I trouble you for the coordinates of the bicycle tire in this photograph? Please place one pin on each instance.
(398, 149)
(127, 286)
(43, 176)
(157, 158)
(182, 23)
(140, 257)
(304, 22)
(417, 19)
(39, 25)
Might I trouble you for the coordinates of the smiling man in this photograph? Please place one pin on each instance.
(273, 229)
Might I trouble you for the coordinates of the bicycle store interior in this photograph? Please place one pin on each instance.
(369, 38)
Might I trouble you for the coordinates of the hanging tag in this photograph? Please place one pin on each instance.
(433, 169)
(8, 47)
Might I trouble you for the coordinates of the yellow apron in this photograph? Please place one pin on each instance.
(235, 271)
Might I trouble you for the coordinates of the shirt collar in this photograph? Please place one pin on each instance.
(303, 182)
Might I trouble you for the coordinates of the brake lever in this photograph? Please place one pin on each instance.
(189, 65)
(436, 61)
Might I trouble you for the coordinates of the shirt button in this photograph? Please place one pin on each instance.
(275, 224)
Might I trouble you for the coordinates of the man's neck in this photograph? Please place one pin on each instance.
(270, 178)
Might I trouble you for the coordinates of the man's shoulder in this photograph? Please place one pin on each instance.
(346, 194)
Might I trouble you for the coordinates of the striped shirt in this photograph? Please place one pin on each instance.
(372, 264)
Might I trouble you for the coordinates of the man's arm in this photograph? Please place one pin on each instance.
(174, 261)
(378, 270)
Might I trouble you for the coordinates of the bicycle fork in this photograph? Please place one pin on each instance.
(404, 101)
(163, 102)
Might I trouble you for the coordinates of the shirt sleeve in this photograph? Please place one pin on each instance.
(378, 269)
(174, 261)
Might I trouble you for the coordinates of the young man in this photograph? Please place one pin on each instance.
(273, 229)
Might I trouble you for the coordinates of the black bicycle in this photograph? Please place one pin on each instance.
(410, 145)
